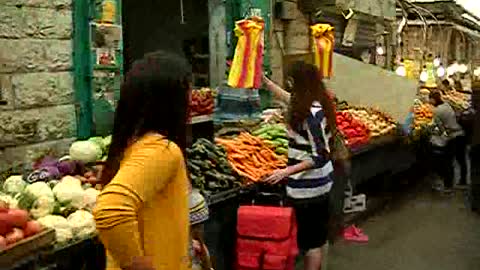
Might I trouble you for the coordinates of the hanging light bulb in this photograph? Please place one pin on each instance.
(454, 67)
(451, 70)
(423, 76)
(440, 71)
(436, 62)
(401, 71)
(476, 72)
(462, 68)
(380, 50)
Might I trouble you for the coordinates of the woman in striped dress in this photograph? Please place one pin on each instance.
(309, 175)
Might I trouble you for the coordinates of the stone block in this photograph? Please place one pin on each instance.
(276, 57)
(20, 157)
(42, 89)
(22, 127)
(33, 55)
(277, 75)
(56, 4)
(6, 92)
(297, 35)
(39, 23)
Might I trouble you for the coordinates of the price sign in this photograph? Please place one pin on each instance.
(255, 12)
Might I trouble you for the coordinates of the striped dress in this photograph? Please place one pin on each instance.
(310, 142)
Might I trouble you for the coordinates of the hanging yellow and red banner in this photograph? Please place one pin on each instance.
(247, 65)
(323, 45)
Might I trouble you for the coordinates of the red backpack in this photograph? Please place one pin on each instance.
(266, 238)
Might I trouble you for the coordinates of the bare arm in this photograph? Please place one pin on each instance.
(276, 90)
(300, 167)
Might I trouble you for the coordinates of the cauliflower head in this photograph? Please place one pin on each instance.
(63, 231)
(85, 151)
(14, 184)
(42, 207)
(90, 197)
(10, 201)
(39, 189)
(82, 224)
(70, 180)
(69, 192)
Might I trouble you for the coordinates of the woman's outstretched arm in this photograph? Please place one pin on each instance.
(279, 92)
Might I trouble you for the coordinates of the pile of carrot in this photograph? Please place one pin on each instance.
(251, 157)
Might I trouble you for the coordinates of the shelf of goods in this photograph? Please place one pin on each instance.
(459, 101)
(58, 195)
(202, 102)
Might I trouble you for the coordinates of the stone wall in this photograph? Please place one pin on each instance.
(35, 79)
(289, 38)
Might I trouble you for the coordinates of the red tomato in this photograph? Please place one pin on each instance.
(32, 228)
(19, 217)
(3, 243)
(15, 236)
(6, 224)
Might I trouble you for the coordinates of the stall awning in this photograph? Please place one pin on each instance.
(472, 33)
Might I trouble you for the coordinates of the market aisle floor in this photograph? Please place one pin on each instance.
(421, 231)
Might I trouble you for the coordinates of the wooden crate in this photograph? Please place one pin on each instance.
(26, 248)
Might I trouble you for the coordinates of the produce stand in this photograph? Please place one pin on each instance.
(77, 255)
(220, 229)
(27, 250)
(389, 155)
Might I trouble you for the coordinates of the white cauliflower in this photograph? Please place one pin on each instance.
(82, 224)
(14, 184)
(10, 201)
(39, 189)
(42, 206)
(70, 192)
(63, 230)
(90, 197)
(70, 180)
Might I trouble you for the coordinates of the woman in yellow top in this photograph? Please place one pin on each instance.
(142, 214)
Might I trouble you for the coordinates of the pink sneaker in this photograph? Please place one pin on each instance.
(354, 234)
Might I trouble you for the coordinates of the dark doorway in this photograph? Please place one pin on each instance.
(150, 25)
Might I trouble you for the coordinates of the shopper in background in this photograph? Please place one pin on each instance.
(198, 216)
(309, 173)
(449, 142)
(446, 86)
(142, 213)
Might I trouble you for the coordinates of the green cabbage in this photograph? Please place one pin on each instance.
(85, 151)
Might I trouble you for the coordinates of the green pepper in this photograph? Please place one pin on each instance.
(264, 136)
(261, 130)
(281, 151)
(282, 141)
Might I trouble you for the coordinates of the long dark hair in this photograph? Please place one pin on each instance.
(154, 98)
(306, 86)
